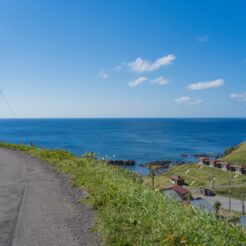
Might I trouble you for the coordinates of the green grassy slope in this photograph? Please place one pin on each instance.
(131, 213)
(237, 156)
(196, 175)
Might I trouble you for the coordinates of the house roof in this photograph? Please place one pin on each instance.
(176, 177)
(179, 189)
(243, 166)
(215, 161)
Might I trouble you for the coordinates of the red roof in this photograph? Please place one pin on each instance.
(176, 177)
(178, 189)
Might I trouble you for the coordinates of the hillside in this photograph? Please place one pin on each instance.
(131, 213)
(196, 175)
(237, 155)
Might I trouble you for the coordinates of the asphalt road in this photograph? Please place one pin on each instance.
(37, 206)
(236, 205)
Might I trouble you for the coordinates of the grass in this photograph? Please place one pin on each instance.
(235, 192)
(196, 175)
(237, 155)
(230, 214)
(130, 213)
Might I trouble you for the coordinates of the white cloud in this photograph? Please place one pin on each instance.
(187, 100)
(160, 81)
(203, 39)
(239, 97)
(102, 74)
(206, 85)
(141, 66)
(118, 68)
(137, 81)
(182, 100)
(196, 101)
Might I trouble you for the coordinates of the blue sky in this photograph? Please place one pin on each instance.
(96, 58)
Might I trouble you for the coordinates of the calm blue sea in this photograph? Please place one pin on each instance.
(143, 140)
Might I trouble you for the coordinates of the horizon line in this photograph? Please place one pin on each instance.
(84, 118)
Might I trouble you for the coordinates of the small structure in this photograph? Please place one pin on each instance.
(215, 163)
(202, 204)
(204, 160)
(233, 168)
(207, 192)
(226, 166)
(176, 192)
(178, 180)
(211, 163)
(241, 169)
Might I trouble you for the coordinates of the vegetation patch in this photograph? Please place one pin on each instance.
(130, 213)
(234, 192)
(236, 155)
(197, 175)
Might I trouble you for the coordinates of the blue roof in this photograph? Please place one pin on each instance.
(202, 204)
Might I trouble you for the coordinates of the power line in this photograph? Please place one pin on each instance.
(7, 103)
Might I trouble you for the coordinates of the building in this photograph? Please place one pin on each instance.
(215, 163)
(178, 180)
(207, 192)
(204, 160)
(226, 166)
(233, 168)
(176, 192)
(241, 169)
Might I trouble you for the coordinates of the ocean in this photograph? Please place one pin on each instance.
(143, 140)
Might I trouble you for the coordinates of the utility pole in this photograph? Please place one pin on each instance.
(213, 185)
(243, 196)
(230, 192)
(213, 181)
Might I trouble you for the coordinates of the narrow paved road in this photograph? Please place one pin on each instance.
(37, 206)
(236, 205)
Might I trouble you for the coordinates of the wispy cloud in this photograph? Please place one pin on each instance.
(187, 100)
(142, 66)
(137, 81)
(118, 68)
(160, 81)
(206, 85)
(102, 74)
(203, 39)
(239, 97)
(196, 101)
(182, 100)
